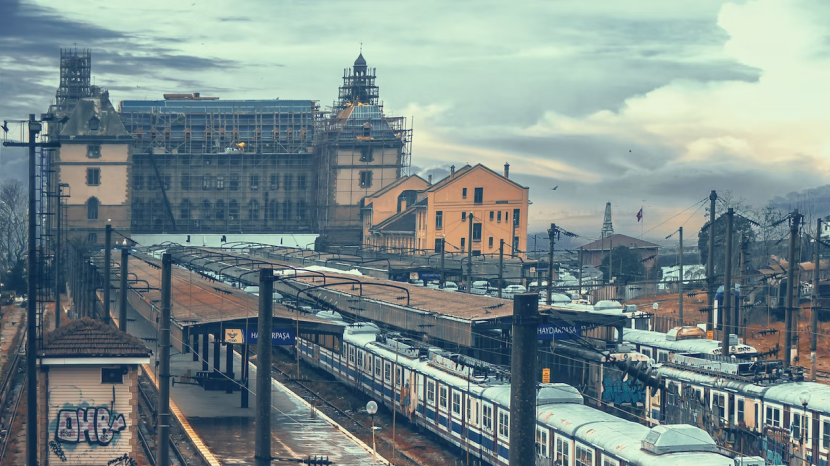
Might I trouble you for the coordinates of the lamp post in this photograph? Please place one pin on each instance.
(372, 409)
(804, 398)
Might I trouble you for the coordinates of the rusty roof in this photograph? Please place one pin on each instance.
(87, 337)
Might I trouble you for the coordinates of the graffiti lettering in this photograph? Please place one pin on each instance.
(122, 461)
(57, 450)
(91, 425)
(619, 392)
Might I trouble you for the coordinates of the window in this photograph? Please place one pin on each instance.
(438, 244)
(138, 182)
(498, 217)
(516, 214)
(377, 368)
(825, 434)
(360, 358)
(288, 182)
(366, 153)
(351, 354)
(504, 423)
(463, 193)
(562, 451)
(796, 427)
(220, 182)
(253, 209)
(463, 216)
(773, 417)
(207, 182)
(185, 182)
(365, 179)
(462, 243)
(93, 152)
(92, 208)
(469, 408)
(398, 376)
(456, 403)
(207, 209)
(301, 210)
(487, 417)
(92, 238)
(584, 456)
(439, 220)
(491, 215)
(479, 196)
(93, 176)
(301, 182)
(718, 404)
(94, 123)
(220, 209)
(234, 183)
(741, 410)
(387, 372)
(476, 232)
(542, 442)
(112, 375)
(442, 396)
(646, 351)
(431, 392)
(254, 181)
(233, 210)
(184, 209)
(490, 242)
(609, 462)
(167, 181)
(275, 182)
(367, 130)
(286, 209)
(662, 356)
(369, 365)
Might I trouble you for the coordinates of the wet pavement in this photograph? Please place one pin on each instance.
(229, 430)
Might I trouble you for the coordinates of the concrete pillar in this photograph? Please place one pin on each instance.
(523, 379)
(217, 352)
(194, 337)
(205, 350)
(262, 447)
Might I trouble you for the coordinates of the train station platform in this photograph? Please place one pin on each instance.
(228, 431)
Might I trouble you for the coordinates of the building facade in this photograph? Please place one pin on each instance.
(594, 252)
(472, 204)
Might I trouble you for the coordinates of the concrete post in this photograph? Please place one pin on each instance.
(727, 287)
(205, 350)
(710, 259)
(262, 448)
(194, 338)
(122, 295)
(501, 264)
(788, 312)
(470, 255)
(163, 410)
(815, 303)
(523, 379)
(552, 238)
(107, 278)
(244, 389)
(680, 287)
(229, 359)
(217, 353)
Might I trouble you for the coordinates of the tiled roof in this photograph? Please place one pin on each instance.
(618, 240)
(402, 221)
(86, 337)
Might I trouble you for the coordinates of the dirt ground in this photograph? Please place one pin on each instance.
(760, 320)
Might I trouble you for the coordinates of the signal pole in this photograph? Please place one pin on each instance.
(788, 312)
(680, 288)
(470, 255)
(552, 232)
(815, 303)
(523, 380)
(727, 287)
(501, 263)
(107, 272)
(710, 262)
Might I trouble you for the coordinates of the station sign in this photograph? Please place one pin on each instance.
(545, 375)
(279, 336)
(558, 332)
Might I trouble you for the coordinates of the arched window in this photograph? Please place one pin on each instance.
(233, 210)
(253, 210)
(274, 210)
(93, 124)
(206, 209)
(92, 208)
(184, 210)
(220, 210)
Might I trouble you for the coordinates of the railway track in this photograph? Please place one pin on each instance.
(14, 383)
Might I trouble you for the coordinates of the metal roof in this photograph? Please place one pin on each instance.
(658, 340)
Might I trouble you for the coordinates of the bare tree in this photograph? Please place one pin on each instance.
(14, 221)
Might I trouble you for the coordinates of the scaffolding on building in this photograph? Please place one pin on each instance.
(75, 76)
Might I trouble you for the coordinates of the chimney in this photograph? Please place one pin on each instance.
(452, 171)
(429, 179)
(506, 170)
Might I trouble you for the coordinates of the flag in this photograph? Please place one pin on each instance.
(640, 214)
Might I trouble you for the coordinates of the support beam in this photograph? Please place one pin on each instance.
(727, 287)
(205, 350)
(122, 295)
(229, 359)
(163, 409)
(58, 310)
(262, 447)
(107, 278)
(788, 312)
(523, 379)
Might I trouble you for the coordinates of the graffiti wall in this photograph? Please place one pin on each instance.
(89, 421)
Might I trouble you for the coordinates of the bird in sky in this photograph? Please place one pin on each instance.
(554, 188)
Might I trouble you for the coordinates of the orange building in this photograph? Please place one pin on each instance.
(414, 216)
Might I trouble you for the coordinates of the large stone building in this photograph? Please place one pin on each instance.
(190, 164)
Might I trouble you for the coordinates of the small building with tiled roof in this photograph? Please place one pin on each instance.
(88, 394)
(595, 251)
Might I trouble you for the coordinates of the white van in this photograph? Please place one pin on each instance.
(510, 290)
(480, 287)
(450, 286)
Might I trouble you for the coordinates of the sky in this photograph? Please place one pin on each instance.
(641, 103)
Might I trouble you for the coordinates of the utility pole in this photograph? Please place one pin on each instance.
(788, 312)
(552, 232)
(501, 263)
(262, 447)
(122, 296)
(727, 287)
(163, 409)
(58, 251)
(710, 262)
(680, 288)
(470, 255)
(739, 311)
(611, 261)
(579, 255)
(814, 311)
(107, 273)
(443, 274)
(523, 378)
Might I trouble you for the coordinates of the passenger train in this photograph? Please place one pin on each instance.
(466, 403)
(658, 346)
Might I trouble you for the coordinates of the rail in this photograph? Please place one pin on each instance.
(172, 443)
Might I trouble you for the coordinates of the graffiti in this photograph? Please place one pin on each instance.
(122, 461)
(57, 450)
(90, 425)
(620, 392)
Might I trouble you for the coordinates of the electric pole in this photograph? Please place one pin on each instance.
(727, 287)
(262, 446)
(501, 263)
(107, 273)
(163, 409)
(552, 232)
(443, 274)
(710, 262)
(470, 255)
(816, 304)
(680, 288)
(523, 378)
(739, 311)
(788, 312)
(122, 296)
(58, 310)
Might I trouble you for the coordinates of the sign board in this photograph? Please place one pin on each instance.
(413, 275)
(710, 334)
(234, 336)
(279, 337)
(428, 276)
(545, 375)
(558, 332)
(532, 270)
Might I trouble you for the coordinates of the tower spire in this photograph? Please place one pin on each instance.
(607, 227)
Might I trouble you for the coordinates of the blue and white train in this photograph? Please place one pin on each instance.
(466, 403)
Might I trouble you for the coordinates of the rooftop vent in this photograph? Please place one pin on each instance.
(557, 393)
(686, 333)
(678, 438)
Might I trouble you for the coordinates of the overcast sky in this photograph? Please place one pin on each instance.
(638, 102)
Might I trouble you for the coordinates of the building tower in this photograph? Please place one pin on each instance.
(607, 227)
(75, 74)
(358, 86)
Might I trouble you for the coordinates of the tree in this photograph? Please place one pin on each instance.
(627, 265)
(14, 222)
(15, 278)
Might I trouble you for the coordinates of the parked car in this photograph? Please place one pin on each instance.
(480, 287)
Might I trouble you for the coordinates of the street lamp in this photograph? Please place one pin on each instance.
(804, 398)
(372, 409)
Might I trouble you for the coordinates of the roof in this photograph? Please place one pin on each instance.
(402, 221)
(464, 171)
(394, 184)
(89, 338)
(352, 121)
(98, 108)
(360, 60)
(618, 240)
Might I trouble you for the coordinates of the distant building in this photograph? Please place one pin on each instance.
(594, 252)
(423, 215)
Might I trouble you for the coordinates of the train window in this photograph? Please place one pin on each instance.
(369, 365)
(542, 442)
(398, 376)
(646, 351)
(718, 401)
(562, 451)
(796, 427)
(609, 462)
(360, 359)
(740, 410)
(584, 456)
(825, 435)
(387, 371)
(442, 397)
(351, 354)
(504, 423)
(773, 417)
(377, 367)
(662, 356)
(487, 417)
(456, 403)
(431, 392)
